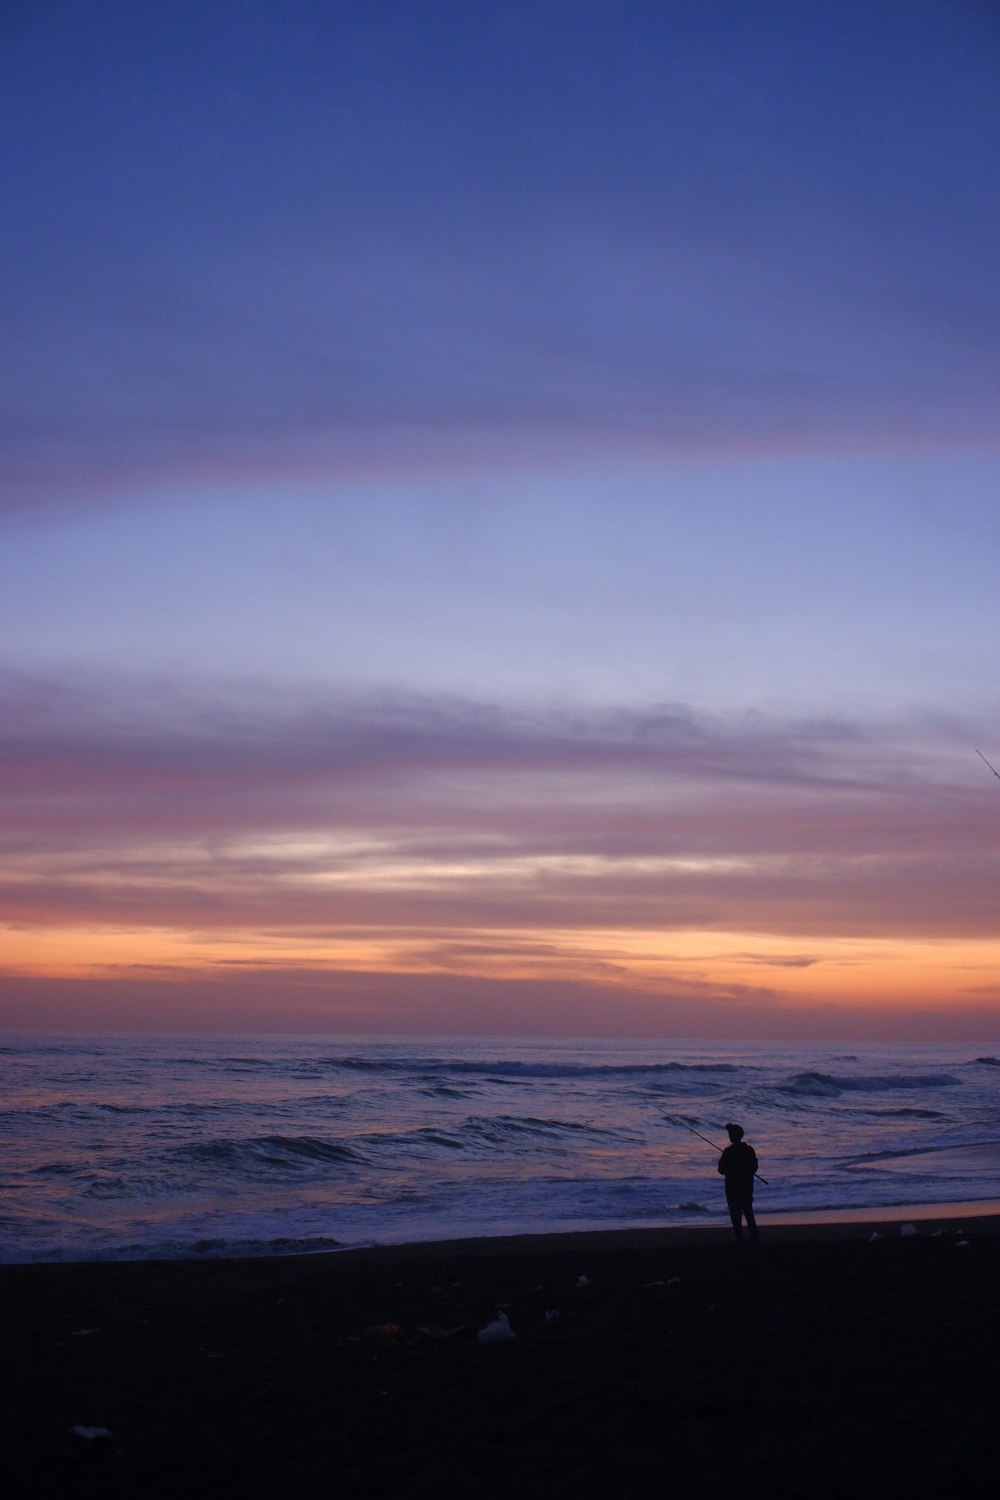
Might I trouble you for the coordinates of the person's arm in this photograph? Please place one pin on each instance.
(722, 1161)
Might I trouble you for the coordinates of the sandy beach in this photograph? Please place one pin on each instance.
(822, 1362)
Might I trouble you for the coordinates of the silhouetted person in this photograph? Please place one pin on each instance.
(738, 1163)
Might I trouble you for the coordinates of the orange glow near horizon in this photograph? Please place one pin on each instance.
(674, 880)
(792, 974)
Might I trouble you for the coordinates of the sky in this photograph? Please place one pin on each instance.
(499, 517)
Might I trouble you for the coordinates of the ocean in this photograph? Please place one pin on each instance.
(128, 1147)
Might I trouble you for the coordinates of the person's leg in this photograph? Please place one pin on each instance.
(751, 1221)
(736, 1214)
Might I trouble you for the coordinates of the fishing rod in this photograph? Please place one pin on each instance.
(982, 757)
(676, 1120)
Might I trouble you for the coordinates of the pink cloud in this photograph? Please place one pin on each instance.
(289, 812)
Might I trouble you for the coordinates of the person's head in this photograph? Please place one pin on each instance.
(735, 1133)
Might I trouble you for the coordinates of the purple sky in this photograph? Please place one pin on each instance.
(502, 495)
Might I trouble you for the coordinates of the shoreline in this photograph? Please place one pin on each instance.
(983, 1215)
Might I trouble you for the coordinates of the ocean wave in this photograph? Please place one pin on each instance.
(192, 1110)
(483, 1133)
(430, 1135)
(511, 1069)
(60, 1111)
(224, 1249)
(829, 1085)
(37, 1047)
(504, 1127)
(56, 1109)
(952, 1148)
(906, 1113)
(117, 1185)
(221, 1064)
(206, 1248)
(987, 1062)
(270, 1151)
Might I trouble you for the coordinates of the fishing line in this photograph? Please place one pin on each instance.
(676, 1120)
(982, 757)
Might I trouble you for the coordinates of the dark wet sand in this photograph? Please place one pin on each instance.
(820, 1363)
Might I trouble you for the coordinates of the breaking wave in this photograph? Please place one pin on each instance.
(271, 1151)
(830, 1085)
(428, 1067)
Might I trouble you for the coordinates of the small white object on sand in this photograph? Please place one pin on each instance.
(906, 1230)
(497, 1332)
(90, 1434)
(583, 1281)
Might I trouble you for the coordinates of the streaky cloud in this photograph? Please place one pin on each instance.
(288, 812)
